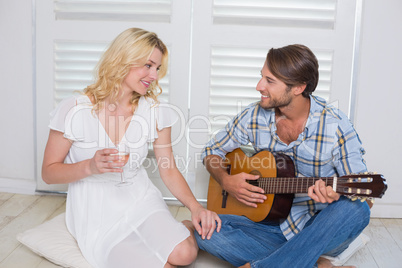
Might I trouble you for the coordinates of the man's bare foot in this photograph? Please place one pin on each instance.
(247, 265)
(325, 263)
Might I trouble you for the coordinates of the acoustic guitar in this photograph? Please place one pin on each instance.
(277, 178)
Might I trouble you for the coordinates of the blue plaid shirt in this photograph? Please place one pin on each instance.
(328, 147)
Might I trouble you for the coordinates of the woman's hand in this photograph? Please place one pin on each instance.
(103, 162)
(209, 222)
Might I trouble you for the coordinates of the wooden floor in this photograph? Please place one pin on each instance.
(21, 212)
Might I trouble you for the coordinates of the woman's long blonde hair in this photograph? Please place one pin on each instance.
(131, 48)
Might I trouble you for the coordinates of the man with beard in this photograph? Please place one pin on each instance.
(320, 140)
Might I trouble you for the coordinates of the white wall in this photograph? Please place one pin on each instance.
(17, 166)
(377, 110)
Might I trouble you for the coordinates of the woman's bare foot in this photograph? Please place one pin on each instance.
(247, 265)
(325, 263)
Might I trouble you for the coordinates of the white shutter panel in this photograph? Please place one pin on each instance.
(134, 10)
(234, 76)
(74, 63)
(284, 13)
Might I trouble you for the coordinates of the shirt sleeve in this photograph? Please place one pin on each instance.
(66, 118)
(348, 151)
(231, 137)
(163, 115)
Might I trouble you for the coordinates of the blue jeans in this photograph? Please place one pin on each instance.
(329, 232)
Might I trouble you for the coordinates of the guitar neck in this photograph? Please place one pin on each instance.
(292, 185)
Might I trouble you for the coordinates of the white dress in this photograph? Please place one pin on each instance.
(128, 226)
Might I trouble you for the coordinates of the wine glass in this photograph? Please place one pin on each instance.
(124, 155)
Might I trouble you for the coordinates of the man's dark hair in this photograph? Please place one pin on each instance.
(294, 65)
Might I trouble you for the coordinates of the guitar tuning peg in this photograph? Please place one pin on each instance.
(366, 173)
(362, 199)
(353, 198)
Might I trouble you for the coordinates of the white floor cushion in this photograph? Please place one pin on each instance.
(53, 241)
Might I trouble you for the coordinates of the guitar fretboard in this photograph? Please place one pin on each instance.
(288, 185)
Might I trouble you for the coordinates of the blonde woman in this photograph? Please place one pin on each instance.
(128, 226)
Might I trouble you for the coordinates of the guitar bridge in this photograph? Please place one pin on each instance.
(225, 193)
(224, 198)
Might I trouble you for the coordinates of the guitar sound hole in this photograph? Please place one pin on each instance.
(254, 182)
